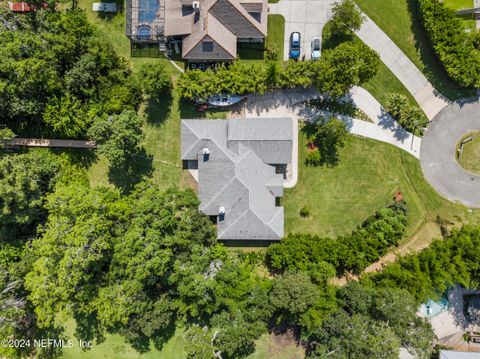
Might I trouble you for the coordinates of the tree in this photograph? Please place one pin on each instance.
(356, 336)
(25, 179)
(154, 80)
(6, 134)
(328, 136)
(346, 17)
(112, 262)
(66, 116)
(118, 136)
(57, 73)
(292, 294)
(349, 64)
(408, 116)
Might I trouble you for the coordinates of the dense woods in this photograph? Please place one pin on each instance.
(57, 75)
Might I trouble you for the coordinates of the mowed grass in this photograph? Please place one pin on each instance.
(366, 179)
(459, 4)
(115, 347)
(400, 20)
(275, 36)
(470, 157)
(385, 83)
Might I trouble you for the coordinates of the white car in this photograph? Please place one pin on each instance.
(316, 44)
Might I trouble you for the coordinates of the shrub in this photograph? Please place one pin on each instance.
(353, 252)
(346, 17)
(408, 116)
(454, 47)
(304, 212)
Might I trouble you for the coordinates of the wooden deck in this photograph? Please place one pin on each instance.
(41, 142)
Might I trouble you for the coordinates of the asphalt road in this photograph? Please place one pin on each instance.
(437, 155)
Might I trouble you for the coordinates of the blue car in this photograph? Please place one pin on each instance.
(295, 45)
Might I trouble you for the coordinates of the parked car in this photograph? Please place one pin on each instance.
(316, 48)
(294, 45)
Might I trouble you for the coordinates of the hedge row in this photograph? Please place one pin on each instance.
(454, 47)
(353, 252)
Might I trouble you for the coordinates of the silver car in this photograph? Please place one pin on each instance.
(316, 45)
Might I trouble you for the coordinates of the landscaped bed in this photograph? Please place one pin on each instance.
(468, 152)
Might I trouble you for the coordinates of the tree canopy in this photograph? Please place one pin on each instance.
(57, 74)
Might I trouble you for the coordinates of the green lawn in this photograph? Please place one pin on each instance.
(275, 33)
(400, 20)
(114, 346)
(385, 83)
(459, 4)
(366, 179)
(470, 157)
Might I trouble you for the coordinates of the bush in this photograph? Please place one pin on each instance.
(346, 17)
(454, 47)
(154, 81)
(314, 158)
(304, 212)
(353, 252)
(408, 116)
(351, 63)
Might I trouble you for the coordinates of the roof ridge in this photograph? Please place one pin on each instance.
(237, 5)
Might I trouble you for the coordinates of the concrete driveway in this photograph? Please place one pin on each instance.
(308, 17)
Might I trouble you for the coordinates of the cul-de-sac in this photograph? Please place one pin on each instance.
(240, 179)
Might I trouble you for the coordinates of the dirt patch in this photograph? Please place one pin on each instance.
(284, 346)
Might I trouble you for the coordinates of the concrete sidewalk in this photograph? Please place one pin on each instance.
(289, 103)
(429, 99)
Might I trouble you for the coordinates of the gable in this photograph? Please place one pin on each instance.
(208, 49)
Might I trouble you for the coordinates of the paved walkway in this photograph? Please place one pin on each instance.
(476, 4)
(40, 142)
(288, 103)
(308, 17)
(405, 70)
(438, 153)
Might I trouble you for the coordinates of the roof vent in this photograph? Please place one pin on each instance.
(221, 210)
(206, 151)
(196, 6)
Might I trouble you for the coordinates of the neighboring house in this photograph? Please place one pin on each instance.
(240, 180)
(449, 354)
(209, 29)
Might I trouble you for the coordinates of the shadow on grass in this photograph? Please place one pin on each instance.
(434, 70)
(78, 156)
(88, 330)
(328, 139)
(136, 167)
(158, 111)
(188, 110)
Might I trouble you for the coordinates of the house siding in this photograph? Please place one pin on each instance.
(218, 52)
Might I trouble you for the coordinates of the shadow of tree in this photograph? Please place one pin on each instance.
(434, 70)
(158, 111)
(328, 136)
(136, 167)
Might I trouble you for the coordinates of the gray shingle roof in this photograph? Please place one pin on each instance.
(221, 21)
(236, 177)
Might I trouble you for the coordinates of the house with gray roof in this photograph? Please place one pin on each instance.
(209, 30)
(240, 180)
